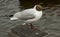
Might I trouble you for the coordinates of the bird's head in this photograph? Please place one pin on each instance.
(38, 7)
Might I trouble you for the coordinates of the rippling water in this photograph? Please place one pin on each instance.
(50, 21)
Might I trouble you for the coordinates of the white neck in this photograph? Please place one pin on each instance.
(34, 7)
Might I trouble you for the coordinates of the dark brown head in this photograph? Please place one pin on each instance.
(39, 7)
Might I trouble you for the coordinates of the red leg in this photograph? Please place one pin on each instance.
(33, 27)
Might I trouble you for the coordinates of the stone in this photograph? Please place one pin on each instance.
(26, 31)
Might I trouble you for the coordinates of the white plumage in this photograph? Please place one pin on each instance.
(29, 15)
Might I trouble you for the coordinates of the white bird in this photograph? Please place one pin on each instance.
(29, 15)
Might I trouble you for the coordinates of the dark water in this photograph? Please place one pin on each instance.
(50, 21)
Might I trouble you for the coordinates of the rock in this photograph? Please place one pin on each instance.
(26, 31)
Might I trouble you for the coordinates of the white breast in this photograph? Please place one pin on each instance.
(38, 15)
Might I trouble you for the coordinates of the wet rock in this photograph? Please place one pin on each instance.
(26, 31)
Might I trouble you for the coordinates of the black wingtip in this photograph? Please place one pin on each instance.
(9, 15)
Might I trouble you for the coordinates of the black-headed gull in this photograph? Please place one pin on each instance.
(29, 15)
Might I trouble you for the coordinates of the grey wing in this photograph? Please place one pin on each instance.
(26, 16)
